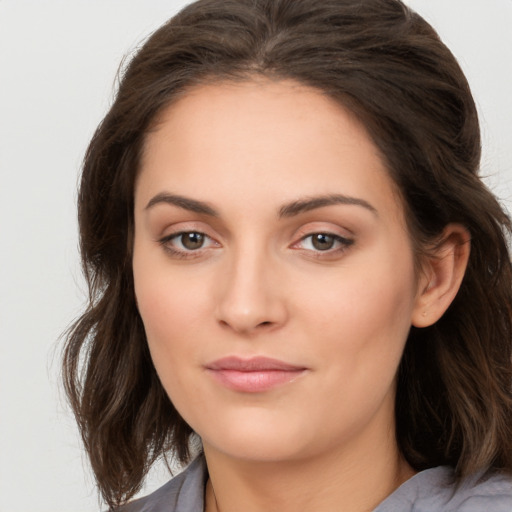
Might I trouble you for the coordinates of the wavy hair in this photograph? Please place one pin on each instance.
(387, 65)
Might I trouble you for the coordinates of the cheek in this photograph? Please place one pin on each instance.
(168, 310)
(364, 313)
(166, 293)
(170, 319)
(176, 313)
(170, 306)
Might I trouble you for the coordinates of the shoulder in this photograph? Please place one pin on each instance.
(184, 493)
(434, 489)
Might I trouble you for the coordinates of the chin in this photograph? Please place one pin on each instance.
(256, 439)
(256, 449)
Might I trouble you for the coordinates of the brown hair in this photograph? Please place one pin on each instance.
(388, 66)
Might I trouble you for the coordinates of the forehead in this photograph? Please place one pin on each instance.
(283, 107)
(261, 138)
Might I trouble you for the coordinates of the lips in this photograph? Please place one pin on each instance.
(254, 375)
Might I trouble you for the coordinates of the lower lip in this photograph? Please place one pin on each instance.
(255, 381)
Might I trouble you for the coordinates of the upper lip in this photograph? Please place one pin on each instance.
(253, 364)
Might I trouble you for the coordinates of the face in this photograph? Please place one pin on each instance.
(273, 271)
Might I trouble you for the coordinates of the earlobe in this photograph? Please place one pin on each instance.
(442, 275)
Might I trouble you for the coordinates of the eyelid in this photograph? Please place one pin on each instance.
(346, 242)
(180, 229)
(328, 228)
(343, 238)
(178, 234)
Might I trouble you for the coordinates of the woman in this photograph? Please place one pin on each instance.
(291, 256)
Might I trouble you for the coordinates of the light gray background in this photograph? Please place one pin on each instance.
(58, 60)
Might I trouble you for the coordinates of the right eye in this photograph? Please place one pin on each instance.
(185, 243)
(190, 241)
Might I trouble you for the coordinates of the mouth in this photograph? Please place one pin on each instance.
(254, 375)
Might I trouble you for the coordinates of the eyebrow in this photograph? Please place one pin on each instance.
(288, 210)
(312, 203)
(183, 202)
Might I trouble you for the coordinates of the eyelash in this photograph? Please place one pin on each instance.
(165, 242)
(183, 253)
(342, 242)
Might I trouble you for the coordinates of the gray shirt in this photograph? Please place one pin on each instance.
(427, 491)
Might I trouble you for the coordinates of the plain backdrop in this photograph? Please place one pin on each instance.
(58, 61)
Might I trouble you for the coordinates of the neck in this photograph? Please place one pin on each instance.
(352, 480)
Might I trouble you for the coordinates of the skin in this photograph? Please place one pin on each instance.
(258, 286)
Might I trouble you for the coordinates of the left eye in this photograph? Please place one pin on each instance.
(324, 242)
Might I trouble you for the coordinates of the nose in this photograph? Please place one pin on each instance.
(251, 296)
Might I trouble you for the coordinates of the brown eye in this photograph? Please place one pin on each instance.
(322, 242)
(188, 244)
(192, 241)
(328, 243)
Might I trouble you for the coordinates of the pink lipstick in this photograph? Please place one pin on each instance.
(253, 375)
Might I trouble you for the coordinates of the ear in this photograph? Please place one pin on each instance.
(441, 275)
